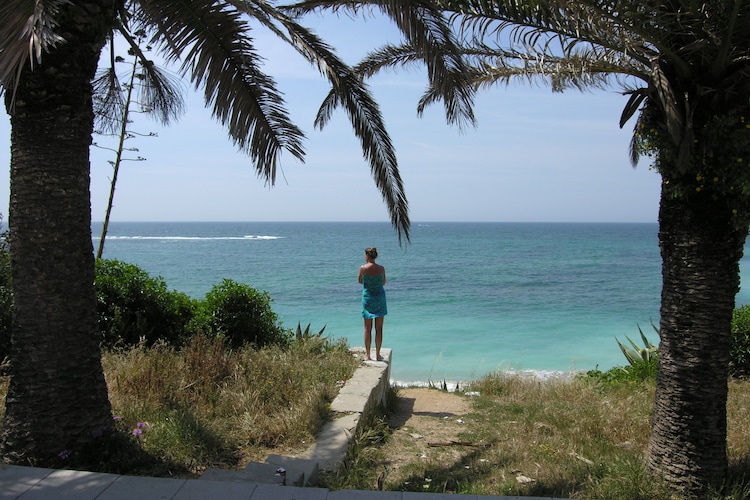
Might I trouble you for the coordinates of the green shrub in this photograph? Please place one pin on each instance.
(739, 354)
(240, 314)
(134, 307)
(633, 374)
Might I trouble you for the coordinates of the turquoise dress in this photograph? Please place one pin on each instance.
(373, 297)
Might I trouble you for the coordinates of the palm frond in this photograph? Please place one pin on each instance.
(376, 146)
(737, 25)
(425, 29)
(428, 32)
(159, 93)
(387, 57)
(108, 101)
(28, 30)
(561, 27)
(634, 153)
(580, 70)
(637, 97)
(350, 92)
(211, 41)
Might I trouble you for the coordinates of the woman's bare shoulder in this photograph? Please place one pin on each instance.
(372, 269)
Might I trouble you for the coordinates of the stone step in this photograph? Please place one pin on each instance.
(329, 449)
(365, 390)
(295, 467)
(256, 473)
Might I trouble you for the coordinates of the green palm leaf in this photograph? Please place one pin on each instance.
(109, 101)
(211, 41)
(348, 91)
(160, 93)
(432, 40)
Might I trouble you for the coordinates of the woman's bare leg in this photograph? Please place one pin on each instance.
(368, 337)
(378, 336)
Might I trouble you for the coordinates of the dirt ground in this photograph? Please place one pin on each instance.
(436, 413)
(426, 425)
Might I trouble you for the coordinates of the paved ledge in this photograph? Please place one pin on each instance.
(30, 483)
(360, 396)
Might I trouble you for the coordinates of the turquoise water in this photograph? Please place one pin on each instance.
(464, 299)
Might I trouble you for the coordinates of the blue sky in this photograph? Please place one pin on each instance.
(534, 155)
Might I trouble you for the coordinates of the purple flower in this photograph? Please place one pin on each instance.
(137, 432)
(141, 425)
(65, 454)
(117, 418)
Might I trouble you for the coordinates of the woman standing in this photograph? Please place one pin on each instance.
(372, 276)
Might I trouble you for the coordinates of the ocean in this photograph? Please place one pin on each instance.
(464, 299)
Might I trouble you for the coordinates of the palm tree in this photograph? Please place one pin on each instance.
(49, 51)
(685, 66)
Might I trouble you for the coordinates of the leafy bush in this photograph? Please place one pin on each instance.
(634, 374)
(240, 314)
(134, 307)
(739, 354)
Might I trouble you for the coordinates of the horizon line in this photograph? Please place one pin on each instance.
(371, 222)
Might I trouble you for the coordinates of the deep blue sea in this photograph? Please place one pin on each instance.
(464, 299)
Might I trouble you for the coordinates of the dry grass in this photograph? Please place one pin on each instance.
(570, 438)
(207, 406)
(561, 438)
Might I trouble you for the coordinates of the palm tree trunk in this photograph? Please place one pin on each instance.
(701, 249)
(57, 399)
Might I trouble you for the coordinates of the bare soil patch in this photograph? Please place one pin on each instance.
(426, 425)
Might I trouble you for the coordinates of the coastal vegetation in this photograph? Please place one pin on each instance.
(181, 410)
(133, 308)
(186, 399)
(565, 437)
(178, 411)
(215, 382)
(580, 437)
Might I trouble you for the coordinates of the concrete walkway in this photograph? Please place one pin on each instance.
(361, 394)
(29, 483)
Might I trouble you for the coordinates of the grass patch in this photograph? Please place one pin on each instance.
(208, 406)
(205, 405)
(566, 438)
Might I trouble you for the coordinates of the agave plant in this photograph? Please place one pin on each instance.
(637, 354)
(306, 334)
